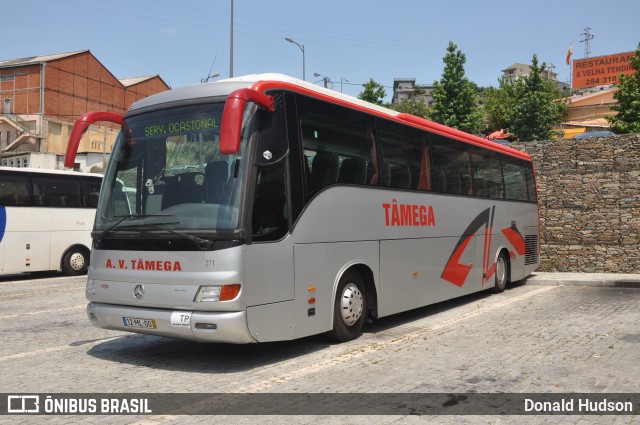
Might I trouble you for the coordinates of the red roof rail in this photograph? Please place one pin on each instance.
(81, 126)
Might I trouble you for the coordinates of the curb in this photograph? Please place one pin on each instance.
(609, 280)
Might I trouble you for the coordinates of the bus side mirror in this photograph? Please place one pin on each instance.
(232, 117)
(81, 126)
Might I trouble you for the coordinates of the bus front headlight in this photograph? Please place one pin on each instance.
(215, 293)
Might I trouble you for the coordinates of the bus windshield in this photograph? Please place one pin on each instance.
(167, 172)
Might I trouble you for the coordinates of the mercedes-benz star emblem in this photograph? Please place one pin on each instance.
(138, 292)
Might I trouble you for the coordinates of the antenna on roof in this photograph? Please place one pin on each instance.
(210, 75)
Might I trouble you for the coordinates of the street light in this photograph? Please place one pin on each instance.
(301, 46)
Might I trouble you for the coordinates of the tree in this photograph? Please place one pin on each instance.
(536, 106)
(628, 96)
(414, 105)
(373, 92)
(498, 103)
(455, 96)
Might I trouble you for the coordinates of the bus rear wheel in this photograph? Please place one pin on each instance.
(75, 262)
(350, 308)
(502, 273)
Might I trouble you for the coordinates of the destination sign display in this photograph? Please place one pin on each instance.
(180, 127)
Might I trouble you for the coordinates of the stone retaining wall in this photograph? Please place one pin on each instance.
(589, 193)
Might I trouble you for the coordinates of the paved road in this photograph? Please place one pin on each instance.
(530, 339)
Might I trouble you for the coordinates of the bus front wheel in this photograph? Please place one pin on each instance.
(75, 262)
(350, 308)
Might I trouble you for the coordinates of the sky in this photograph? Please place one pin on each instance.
(348, 41)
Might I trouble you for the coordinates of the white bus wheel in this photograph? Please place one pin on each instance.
(350, 308)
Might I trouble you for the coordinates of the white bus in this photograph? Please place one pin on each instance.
(265, 208)
(46, 217)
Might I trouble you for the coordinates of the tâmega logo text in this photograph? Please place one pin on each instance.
(396, 214)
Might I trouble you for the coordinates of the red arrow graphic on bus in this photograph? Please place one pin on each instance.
(515, 238)
(456, 272)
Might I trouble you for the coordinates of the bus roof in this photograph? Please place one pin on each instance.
(264, 82)
(50, 171)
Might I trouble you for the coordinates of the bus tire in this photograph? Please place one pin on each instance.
(75, 262)
(350, 308)
(502, 273)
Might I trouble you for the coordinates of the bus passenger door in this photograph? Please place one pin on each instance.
(269, 269)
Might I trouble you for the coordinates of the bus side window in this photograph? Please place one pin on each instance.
(532, 194)
(337, 144)
(324, 171)
(14, 189)
(487, 174)
(57, 191)
(353, 171)
(406, 157)
(515, 181)
(451, 160)
(90, 192)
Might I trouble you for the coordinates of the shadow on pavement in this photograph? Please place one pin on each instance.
(181, 355)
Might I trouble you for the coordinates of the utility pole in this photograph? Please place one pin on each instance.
(325, 79)
(231, 47)
(587, 36)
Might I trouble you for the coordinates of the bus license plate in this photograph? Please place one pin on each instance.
(134, 322)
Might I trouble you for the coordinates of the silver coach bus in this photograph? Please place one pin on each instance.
(264, 208)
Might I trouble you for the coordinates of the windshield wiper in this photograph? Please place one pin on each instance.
(201, 243)
(123, 218)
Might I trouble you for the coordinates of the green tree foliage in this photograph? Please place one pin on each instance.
(526, 107)
(455, 96)
(536, 106)
(414, 105)
(373, 92)
(498, 103)
(628, 96)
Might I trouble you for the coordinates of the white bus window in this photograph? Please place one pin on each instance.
(90, 192)
(57, 191)
(14, 189)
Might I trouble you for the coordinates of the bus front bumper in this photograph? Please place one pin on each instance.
(200, 326)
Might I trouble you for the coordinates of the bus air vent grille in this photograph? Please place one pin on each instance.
(530, 249)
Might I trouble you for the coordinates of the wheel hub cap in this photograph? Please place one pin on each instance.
(351, 304)
(77, 261)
